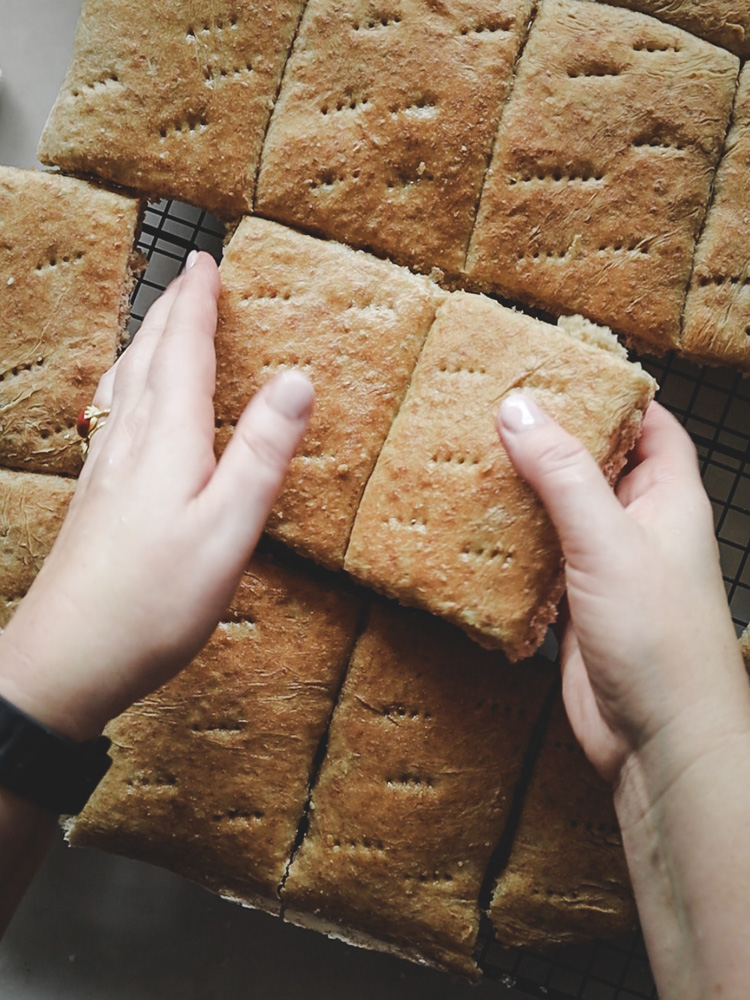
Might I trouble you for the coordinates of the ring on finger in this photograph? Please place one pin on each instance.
(89, 420)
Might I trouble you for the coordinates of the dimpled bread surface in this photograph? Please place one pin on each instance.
(566, 874)
(66, 262)
(172, 98)
(602, 169)
(355, 325)
(445, 523)
(384, 125)
(210, 773)
(32, 509)
(415, 789)
(716, 326)
(723, 22)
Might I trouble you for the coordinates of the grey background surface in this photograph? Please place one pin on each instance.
(94, 926)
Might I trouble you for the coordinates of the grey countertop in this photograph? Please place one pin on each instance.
(97, 926)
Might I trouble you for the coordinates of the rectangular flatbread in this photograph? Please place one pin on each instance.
(384, 125)
(566, 880)
(424, 753)
(210, 774)
(32, 510)
(66, 273)
(445, 523)
(172, 99)
(716, 324)
(723, 22)
(602, 169)
(355, 325)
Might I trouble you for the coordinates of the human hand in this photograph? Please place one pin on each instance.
(158, 533)
(649, 655)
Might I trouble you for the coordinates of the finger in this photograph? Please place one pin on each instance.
(131, 368)
(664, 456)
(183, 370)
(565, 476)
(247, 480)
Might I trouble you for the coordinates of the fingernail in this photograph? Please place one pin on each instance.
(520, 413)
(292, 395)
(192, 257)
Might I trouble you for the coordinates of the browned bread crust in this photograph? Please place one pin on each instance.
(723, 22)
(602, 169)
(172, 98)
(424, 753)
(445, 523)
(355, 325)
(566, 879)
(716, 325)
(385, 122)
(66, 271)
(32, 509)
(210, 774)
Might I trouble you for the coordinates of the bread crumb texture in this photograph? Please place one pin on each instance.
(172, 98)
(602, 169)
(32, 508)
(723, 22)
(566, 873)
(355, 325)
(385, 123)
(65, 274)
(210, 774)
(416, 786)
(716, 328)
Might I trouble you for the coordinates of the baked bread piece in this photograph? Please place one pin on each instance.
(566, 879)
(745, 646)
(66, 273)
(716, 324)
(210, 773)
(172, 98)
(32, 509)
(356, 326)
(445, 523)
(385, 122)
(723, 22)
(602, 169)
(424, 752)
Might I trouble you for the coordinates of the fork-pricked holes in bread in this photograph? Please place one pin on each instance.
(19, 369)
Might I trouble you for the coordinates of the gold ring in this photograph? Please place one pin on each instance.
(89, 419)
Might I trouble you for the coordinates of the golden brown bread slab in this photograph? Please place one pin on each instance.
(210, 773)
(566, 879)
(602, 169)
(385, 121)
(355, 325)
(723, 22)
(424, 752)
(716, 324)
(32, 509)
(66, 259)
(172, 98)
(445, 523)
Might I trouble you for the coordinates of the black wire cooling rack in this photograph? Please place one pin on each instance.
(714, 406)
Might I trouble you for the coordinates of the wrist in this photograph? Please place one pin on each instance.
(35, 681)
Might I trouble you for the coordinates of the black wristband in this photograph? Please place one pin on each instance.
(49, 770)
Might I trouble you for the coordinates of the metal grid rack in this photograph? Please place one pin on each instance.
(714, 405)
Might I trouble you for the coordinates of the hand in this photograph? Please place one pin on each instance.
(158, 533)
(649, 655)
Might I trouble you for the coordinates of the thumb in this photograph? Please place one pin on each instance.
(562, 472)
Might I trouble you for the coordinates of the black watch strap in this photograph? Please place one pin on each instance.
(48, 769)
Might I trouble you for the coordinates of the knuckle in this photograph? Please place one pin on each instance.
(560, 456)
(264, 449)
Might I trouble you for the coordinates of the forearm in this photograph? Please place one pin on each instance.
(685, 821)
